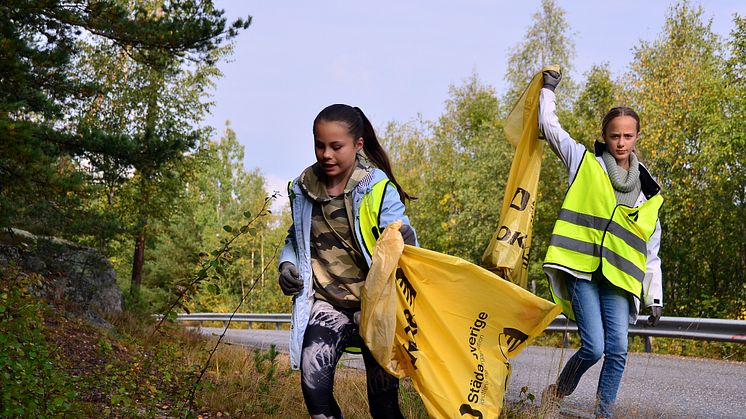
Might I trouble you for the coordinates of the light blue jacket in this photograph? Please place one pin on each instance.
(297, 249)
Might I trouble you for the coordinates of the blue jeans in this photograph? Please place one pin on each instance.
(602, 313)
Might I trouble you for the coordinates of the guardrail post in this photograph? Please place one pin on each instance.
(565, 339)
(251, 325)
(277, 325)
(648, 344)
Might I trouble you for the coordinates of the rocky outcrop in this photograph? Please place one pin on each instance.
(79, 277)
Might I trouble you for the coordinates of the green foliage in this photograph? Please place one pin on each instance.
(265, 364)
(213, 269)
(219, 192)
(524, 399)
(455, 171)
(410, 401)
(213, 266)
(220, 196)
(46, 189)
(597, 96)
(120, 373)
(679, 83)
(546, 42)
(150, 300)
(733, 179)
(31, 385)
(687, 347)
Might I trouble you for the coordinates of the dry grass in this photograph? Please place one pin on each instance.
(241, 385)
(243, 382)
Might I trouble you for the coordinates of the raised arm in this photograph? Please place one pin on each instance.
(568, 150)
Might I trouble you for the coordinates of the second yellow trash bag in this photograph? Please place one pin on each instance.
(507, 253)
(448, 324)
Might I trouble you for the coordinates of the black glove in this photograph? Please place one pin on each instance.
(655, 315)
(289, 279)
(407, 233)
(551, 79)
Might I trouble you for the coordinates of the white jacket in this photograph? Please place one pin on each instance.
(571, 153)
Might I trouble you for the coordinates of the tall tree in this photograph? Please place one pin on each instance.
(40, 186)
(158, 99)
(546, 41)
(407, 145)
(732, 179)
(454, 168)
(678, 85)
(219, 192)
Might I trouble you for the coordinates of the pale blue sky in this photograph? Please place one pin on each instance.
(395, 60)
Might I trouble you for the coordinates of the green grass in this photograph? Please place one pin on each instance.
(663, 346)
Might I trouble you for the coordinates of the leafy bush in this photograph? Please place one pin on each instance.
(30, 383)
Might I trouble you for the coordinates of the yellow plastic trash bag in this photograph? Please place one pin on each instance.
(507, 253)
(448, 324)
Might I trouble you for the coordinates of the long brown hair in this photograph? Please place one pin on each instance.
(359, 126)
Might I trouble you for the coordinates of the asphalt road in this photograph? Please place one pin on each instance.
(653, 386)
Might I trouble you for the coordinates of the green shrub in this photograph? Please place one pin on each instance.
(30, 383)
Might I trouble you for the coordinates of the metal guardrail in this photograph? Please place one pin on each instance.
(277, 318)
(669, 327)
(674, 327)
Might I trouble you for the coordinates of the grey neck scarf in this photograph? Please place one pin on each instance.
(626, 183)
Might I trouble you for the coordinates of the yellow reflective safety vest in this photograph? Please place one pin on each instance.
(592, 230)
(370, 211)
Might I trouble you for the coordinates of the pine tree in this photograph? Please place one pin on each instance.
(52, 155)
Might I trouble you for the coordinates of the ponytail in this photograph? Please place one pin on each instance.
(378, 155)
(359, 126)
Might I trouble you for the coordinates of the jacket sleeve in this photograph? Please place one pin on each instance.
(288, 252)
(652, 284)
(568, 150)
(393, 209)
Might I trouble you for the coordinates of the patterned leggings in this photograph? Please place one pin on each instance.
(328, 332)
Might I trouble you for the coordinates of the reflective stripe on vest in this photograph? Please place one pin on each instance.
(592, 230)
